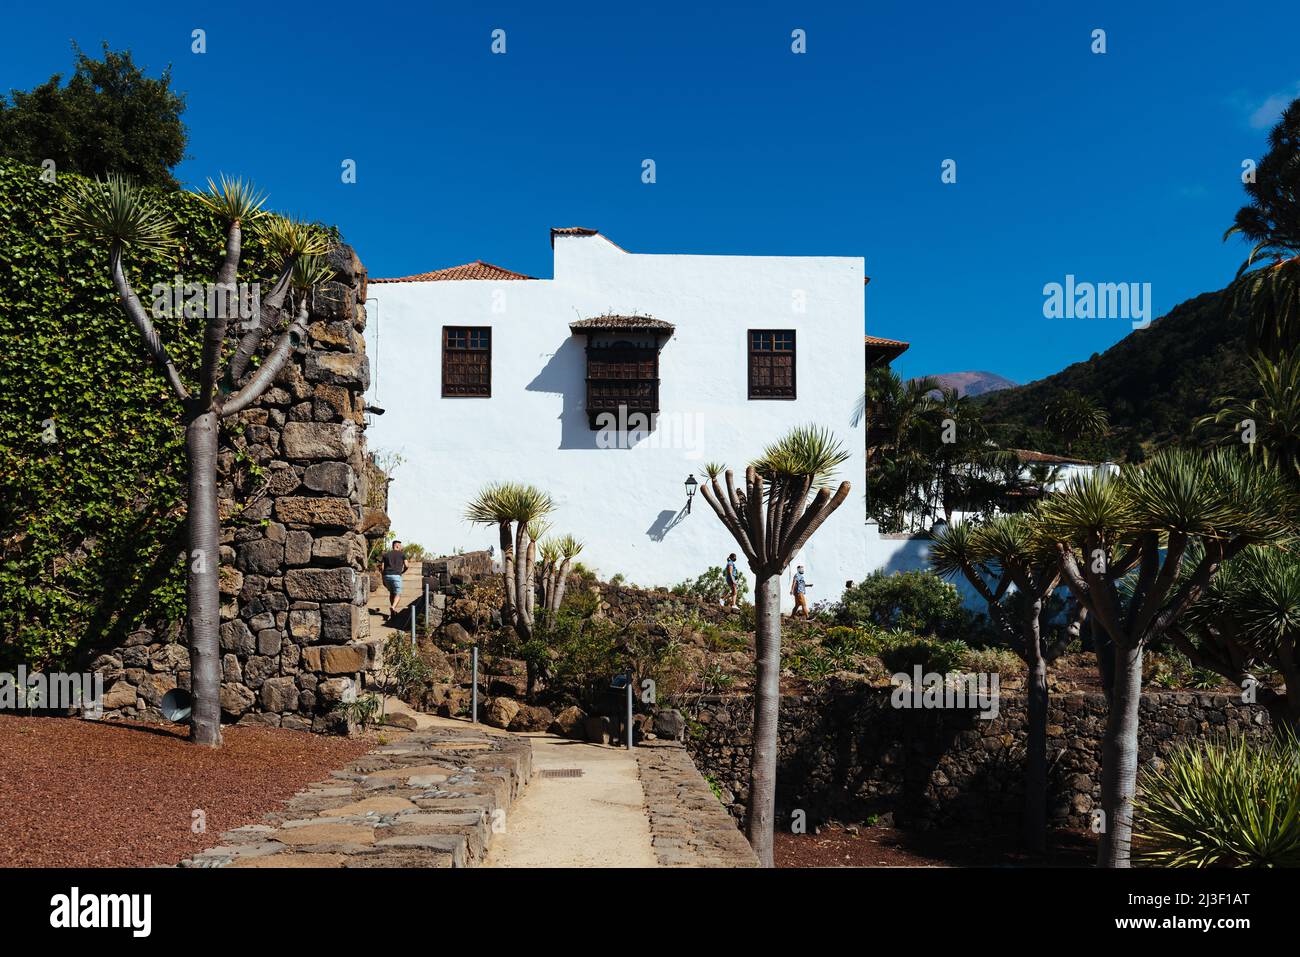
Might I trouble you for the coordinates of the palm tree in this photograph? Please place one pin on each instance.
(512, 507)
(1269, 424)
(898, 466)
(1044, 476)
(771, 518)
(129, 219)
(1015, 569)
(1073, 416)
(1269, 297)
(1249, 620)
(1138, 551)
(966, 466)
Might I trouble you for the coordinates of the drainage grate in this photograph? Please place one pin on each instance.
(560, 773)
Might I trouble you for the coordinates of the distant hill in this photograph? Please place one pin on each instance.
(974, 383)
(1155, 383)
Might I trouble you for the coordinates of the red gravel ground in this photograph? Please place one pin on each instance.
(840, 845)
(98, 794)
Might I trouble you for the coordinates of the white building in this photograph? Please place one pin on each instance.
(488, 375)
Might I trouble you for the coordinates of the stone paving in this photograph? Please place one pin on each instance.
(689, 827)
(427, 799)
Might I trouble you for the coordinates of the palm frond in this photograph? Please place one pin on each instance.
(117, 211)
(808, 451)
(952, 550)
(508, 502)
(288, 237)
(310, 271)
(1097, 504)
(235, 200)
(570, 547)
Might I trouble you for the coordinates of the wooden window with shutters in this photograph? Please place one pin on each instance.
(466, 362)
(771, 364)
(622, 375)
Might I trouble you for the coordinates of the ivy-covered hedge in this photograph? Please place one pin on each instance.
(92, 458)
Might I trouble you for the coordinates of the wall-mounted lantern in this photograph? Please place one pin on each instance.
(690, 491)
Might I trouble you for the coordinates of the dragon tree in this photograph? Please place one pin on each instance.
(127, 219)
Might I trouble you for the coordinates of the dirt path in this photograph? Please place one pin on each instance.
(597, 819)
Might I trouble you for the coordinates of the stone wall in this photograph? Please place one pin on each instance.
(294, 629)
(688, 827)
(847, 754)
(624, 603)
(451, 570)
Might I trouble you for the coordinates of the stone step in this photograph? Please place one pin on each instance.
(431, 799)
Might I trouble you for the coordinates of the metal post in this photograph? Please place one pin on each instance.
(473, 695)
(628, 732)
(412, 608)
(427, 626)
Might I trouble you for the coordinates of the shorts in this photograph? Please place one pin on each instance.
(393, 583)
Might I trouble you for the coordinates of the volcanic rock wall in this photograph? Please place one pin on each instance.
(847, 755)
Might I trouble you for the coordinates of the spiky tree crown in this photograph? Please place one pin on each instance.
(234, 200)
(508, 502)
(289, 237)
(808, 451)
(117, 211)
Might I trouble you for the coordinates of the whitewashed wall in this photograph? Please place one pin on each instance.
(624, 503)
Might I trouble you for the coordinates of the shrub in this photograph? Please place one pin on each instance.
(842, 636)
(403, 668)
(581, 652)
(712, 586)
(992, 661)
(816, 665)
(933, 655)
(1172, 669)
(363, 712)
(918, 601)
(1232, 802)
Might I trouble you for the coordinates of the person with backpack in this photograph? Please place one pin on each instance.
(732, 576)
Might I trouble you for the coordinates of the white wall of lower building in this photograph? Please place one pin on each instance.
(624, 503)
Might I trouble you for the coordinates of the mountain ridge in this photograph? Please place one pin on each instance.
(973, 383)
(1154, 383)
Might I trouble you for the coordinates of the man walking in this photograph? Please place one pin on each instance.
(799, 589)
(394, 567)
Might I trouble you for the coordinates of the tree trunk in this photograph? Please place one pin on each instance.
(561, 583)
(767, 701)
(1284, 712)
(523, 580)
(1119, 753)
(1034, 823)
(202, 588)
(507, 575)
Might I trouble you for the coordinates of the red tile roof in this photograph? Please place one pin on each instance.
(478, 269)
(1029, 456)
(580, 231)
(877, 341)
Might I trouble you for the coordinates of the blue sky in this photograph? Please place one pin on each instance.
(1122, 167)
